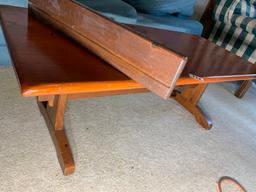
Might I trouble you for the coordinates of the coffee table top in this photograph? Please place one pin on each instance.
(47, 62)
(206, 59)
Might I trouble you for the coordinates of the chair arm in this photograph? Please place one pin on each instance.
(246, 23)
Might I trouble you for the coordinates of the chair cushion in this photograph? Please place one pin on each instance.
(240, 13)
(235, 27)
(246, 8)
(114, 9)
(171, 23)
(164, 7)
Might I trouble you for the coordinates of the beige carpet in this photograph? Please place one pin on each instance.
(131, 143)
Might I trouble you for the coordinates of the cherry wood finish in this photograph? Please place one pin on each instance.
(54, 118)
(244, 87)
(57, 69)
(205, 59)
(189, 99)
(155, 67)
(47, 63)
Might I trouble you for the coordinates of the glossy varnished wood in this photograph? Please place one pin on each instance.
(244, 87)
(47, 62)
(205, 59)
(57, 69)
(189, 98)
(54, 118)
(153, 66)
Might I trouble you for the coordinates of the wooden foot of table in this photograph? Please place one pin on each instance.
(53, 113)
(189, 98)
(243, 89)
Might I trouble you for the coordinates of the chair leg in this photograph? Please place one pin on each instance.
(53, 112)
(189, 98)
(243, 89)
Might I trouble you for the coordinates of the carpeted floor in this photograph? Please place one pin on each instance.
(131, 143)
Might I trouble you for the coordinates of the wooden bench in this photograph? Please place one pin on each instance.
(55, 69)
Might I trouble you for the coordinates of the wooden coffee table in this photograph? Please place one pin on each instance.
(55, 69)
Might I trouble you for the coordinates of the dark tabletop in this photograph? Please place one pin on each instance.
(42, 55)
(206, 59)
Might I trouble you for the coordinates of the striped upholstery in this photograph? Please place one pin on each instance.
(235, 27)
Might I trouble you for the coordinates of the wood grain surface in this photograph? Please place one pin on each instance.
(141, 59)
(47, 62)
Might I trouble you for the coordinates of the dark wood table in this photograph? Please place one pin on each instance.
(55, 69)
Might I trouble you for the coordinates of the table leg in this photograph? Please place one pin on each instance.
(189, 97)
(243, 88)
(53, 112)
